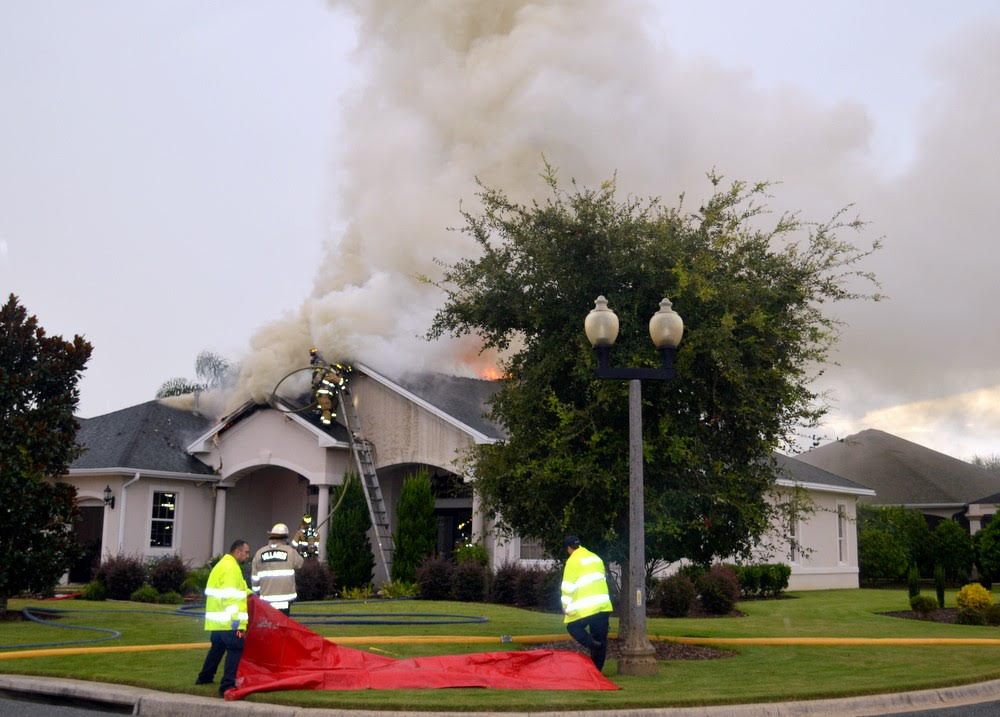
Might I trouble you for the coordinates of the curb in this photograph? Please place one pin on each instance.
(153, 703)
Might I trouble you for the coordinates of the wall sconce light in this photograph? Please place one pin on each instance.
(109, 499)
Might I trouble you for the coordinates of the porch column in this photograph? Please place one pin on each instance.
(218, 530)
(322, 509)
(478, 521)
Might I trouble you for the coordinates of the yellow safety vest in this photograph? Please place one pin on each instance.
(226, 596)
(584, 586)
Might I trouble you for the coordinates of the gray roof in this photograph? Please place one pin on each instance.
(462, 398)
(149, 436)
(796, 470)
(901, 472)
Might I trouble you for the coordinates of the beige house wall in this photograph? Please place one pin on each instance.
(818, 563)
(404, 432)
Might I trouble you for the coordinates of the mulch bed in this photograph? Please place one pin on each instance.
(664, 650)
(948, 615)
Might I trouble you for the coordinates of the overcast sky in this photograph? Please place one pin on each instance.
(254, 177)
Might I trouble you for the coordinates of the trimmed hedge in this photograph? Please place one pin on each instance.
(762, 581)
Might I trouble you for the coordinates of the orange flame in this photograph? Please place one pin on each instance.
(490, 373)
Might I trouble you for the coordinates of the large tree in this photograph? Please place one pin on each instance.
(38, 394)
(752, 296)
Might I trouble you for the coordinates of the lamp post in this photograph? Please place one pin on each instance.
(666, 329)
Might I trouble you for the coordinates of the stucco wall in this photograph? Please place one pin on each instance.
(130, 536)
(818, 564)
(403, 432)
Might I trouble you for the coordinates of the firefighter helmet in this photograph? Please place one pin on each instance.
(279, 530)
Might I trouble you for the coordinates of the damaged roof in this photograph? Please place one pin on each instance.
(465, 399)
(148, 436)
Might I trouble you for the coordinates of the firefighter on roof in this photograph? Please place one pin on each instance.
(272, 572)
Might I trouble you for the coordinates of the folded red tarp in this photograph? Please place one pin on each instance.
(281, 654)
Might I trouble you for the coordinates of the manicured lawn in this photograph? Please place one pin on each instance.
(756, 673)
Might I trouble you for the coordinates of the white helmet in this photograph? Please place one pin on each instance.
(279, 530)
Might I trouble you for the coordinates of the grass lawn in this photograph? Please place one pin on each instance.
(755, 674)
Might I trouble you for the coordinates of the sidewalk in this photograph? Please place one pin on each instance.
(165, 704)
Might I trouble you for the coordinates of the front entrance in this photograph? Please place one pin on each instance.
(454, 528)
(88, 531)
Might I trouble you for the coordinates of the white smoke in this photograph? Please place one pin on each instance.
(459, 89)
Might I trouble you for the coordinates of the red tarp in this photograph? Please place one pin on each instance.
(281, 654)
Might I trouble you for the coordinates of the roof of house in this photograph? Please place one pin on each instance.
(464, 399)
(800, 472)
(901, 472)
(148, 436)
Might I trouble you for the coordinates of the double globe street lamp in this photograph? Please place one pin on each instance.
(638, 657)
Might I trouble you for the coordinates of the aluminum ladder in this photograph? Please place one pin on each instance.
(365, 461)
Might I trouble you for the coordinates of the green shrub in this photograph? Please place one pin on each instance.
(171, 598)
(416, 528)
(750, 579)
(504, 584)
(913, 580)
(121, 575)
(348, 549)
(360, 592)
(951, 546)
(94, 590)
(987, 545)
(472, 552)
(992, 614)
(774, 580)
(674, 595)
(313, 580)
(435, 578)
(196, 581)
(718, 589)
(881, 555)
(758, 581)
(974, 597)
(145, 593)
(399, 589)
(168, 574)
(970, 616)
(469, 582)
(939, 584)
(922, 604)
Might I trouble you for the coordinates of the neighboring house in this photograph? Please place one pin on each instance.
(820, 543)
(181, 483)
(908, 474)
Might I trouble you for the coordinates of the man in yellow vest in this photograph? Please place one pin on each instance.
(226, 616)
(586, 600)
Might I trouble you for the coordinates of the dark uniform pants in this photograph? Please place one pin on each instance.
(230, 644)
(596, 640)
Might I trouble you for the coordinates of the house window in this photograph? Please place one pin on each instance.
(792, 535)
(161, 532)
(841, 533)
(532, 550)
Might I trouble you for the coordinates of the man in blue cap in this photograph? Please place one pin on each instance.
(586, 600)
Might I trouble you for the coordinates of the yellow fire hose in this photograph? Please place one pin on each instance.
(531, 640)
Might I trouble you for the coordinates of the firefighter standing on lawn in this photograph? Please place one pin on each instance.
(272, 573)
(585, 599)
(226, 616)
